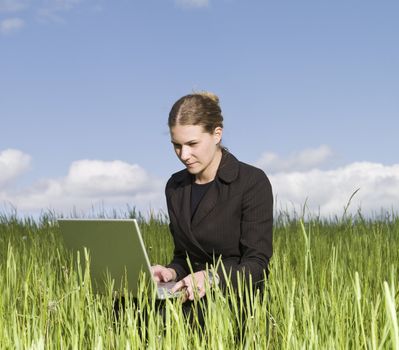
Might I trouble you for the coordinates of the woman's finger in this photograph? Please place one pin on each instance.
(178, 286)
(201, 292)
(190, 292)
(165, 275)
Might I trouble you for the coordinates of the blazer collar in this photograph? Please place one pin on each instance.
(227, 171)
(228, 167)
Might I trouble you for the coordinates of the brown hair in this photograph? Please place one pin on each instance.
(200, 108)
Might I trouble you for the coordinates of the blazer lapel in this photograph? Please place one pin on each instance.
(181, 203)
(227, 173)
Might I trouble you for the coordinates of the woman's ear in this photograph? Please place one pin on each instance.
(217, 133)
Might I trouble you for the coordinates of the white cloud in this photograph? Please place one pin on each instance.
(328, 192)
(115, 184)
(94, 178)
(11, 25)
(90, 184)
(192, 3)
(297, 179)
(299, 161)
(13, 5)
(12, 164)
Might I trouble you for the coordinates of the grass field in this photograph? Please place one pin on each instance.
(333, 285)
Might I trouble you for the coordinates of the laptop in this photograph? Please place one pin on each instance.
(116, 252)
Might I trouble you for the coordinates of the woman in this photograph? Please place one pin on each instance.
(219, 208)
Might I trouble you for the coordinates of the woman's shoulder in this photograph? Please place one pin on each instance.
(250, 168)
(252, 176)
(243, 175)
(245, 169)
(177, 178)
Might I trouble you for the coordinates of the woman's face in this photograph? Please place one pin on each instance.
(197, 149)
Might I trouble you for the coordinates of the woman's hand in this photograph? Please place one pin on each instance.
(163, 274)
(192, 282)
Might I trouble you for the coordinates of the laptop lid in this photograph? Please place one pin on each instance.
(116, 250)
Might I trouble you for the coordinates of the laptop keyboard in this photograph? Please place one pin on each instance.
(164, 290)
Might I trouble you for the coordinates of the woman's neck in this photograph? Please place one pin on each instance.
(209, 173)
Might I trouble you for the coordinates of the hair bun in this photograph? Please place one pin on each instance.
(210, 95)
(198, 108)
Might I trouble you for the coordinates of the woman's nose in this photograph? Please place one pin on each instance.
(184, 153)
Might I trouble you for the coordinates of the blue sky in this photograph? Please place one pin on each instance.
(309, 91)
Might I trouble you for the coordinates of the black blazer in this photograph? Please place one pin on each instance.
(233, 221)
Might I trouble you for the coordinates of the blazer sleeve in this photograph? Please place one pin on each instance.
(256, 232)
(179, 261)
